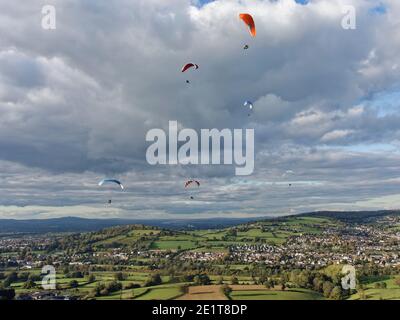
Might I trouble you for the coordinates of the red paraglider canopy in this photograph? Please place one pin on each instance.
(188, 66)
(249, 21)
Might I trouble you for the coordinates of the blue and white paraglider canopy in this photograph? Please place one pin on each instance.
(248, 104)
(106, 181)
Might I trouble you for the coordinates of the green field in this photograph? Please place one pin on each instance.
(166, 293)
(292, 294)
(391, 292)
(172, 245)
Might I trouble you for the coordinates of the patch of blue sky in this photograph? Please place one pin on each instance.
(303, 2)
(379, 9)
(275, 182)
(366, 148)
(385, 103)
(200, 3)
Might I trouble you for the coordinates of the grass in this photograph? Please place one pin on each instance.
(379, 294)
(166, 293)
(128, 238)
(173, 244)
(291, 294)
(392, 292)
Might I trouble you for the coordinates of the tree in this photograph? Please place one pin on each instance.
(73, 284)
(7, 294)
(119, 276)
(29, 284)
(11, 277)
(327, 288)
(380, 285)
(154, 280)
(7, 282)
(91, 278)
(114, 286)
(336, 293)
(132, 286)
(201, 279)
(226, 290)
(75, 274)
(317, 284)
(97, 291)
(235, 280)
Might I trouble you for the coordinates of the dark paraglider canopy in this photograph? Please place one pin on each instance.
(188, 66)
(192, 184)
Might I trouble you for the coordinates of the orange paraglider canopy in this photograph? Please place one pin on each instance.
(248, 20)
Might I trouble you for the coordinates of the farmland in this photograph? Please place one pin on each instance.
(292, 258)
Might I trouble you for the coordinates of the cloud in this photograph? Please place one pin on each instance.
(335, 135)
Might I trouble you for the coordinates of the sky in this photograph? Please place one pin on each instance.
(76, 104)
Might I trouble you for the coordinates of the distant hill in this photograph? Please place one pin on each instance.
(74, 224)
(68, 224)
(353, 216)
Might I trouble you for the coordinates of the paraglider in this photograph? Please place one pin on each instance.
(111, 183)
(188, 66)
(249, 21)
(249, 105)
(192, 184)
(287, 173)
